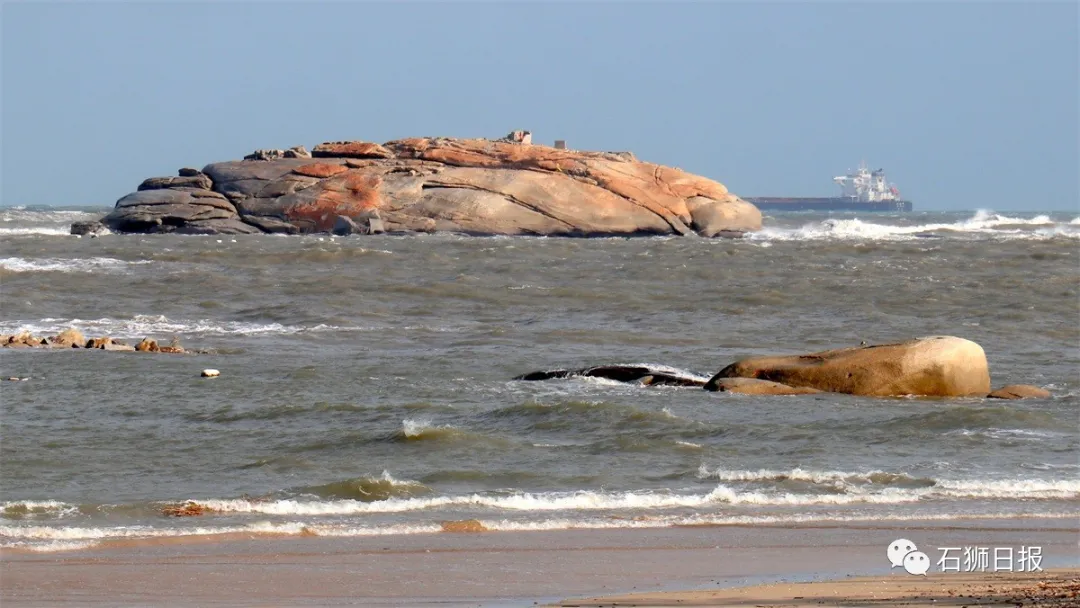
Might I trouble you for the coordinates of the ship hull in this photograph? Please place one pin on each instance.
(776, 203)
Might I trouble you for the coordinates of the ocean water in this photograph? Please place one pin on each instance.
(366, 382)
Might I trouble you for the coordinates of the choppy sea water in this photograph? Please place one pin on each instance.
(366, 384)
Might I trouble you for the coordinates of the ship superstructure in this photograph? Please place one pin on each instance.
(861, 190)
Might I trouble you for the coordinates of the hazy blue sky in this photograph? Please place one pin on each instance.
(966, 105)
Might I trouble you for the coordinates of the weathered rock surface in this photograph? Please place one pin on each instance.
(939, 366)
(182, 210)
(1019, 391)
(472, 186)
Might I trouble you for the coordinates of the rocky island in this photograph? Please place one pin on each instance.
(507, 186)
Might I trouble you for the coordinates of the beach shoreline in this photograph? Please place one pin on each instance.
(499, 568)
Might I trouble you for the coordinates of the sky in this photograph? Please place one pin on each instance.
(965, 105)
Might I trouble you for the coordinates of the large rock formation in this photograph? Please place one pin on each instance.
(472, 186)
(939, 366)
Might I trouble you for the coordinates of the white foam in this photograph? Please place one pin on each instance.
(68, 265)
(50, 539)
(36, 508)
(858, 487)
(587, 500)
(30, 230)
(142, 325)
(983, 222)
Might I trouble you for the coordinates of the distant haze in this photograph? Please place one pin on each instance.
(965, 105)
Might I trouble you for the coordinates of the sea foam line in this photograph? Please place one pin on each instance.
(983, 222)
(52, 539)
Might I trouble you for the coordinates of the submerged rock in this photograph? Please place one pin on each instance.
(622, 373)
(1019, 391)
(471, 186)
(940, 366)
(755, 386)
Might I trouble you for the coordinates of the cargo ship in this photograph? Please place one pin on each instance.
(863, 190)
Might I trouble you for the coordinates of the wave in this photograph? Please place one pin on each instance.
(368, 489)
(21, 265)
(143, 325)
(588, 500)
(54, 539)
(32, 230)
(982, 223)
(833, 478)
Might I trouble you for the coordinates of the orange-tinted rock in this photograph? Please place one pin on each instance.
(350, 149)
(467, 525)
(350, 194)
(147, 345)
(320, 170)
(188, 509)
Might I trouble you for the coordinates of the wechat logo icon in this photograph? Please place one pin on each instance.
(904, 554)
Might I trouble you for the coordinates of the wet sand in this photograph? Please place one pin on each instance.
(500, 568)
(1056, 587)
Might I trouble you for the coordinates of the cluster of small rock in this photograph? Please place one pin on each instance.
(293, 152)
(73, 338)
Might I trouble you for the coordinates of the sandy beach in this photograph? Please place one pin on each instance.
(720, 564)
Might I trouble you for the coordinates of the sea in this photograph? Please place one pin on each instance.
(367, 384)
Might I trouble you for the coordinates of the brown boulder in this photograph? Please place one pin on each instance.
(69, 338)
(754, 386)
(940, 366)
(1019, 391)
(147, 345)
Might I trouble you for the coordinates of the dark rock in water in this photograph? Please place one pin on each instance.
(470, 186)
(344, 226)
(89, 228)
(927, 235)
(619, 373)
(271, 225)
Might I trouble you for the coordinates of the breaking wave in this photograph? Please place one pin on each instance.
(984, 223)
(142, 325)
(21, 265)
